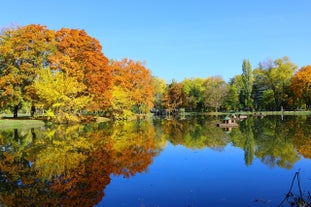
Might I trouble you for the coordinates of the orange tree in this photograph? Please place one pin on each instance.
(132, 88)
(23, 52)
(174, 96)
(301, 85)
(81, 57)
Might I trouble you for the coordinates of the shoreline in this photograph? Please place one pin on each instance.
(8, 122)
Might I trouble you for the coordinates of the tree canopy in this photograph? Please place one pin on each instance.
(65, 74)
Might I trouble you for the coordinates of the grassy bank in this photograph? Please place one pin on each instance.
(277, 112)
(251, 113)
(19, 123)
(287, 112)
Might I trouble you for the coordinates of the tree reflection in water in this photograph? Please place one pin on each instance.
(270, 139)
(71, 165)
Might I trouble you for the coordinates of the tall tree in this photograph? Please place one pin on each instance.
(159, 86)
(301, 85)
(80, 56)
(174, 97)
(259, 87)
(135, 80)
(277, 76)
(61, 94)
(247, 79)
(231, 101)
(215, 92)
(194, 90)
(23, 52)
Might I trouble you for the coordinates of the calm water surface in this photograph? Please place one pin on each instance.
(161, 163)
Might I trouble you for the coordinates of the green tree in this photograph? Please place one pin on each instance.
(194, 90)
(277, 76)
(231, 101)
(259, 87)
(247, 80)
(215, 91)
(159, 86)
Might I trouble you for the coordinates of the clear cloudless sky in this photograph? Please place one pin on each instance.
(180, 39)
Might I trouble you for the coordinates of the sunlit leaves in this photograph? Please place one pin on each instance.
(121, 103)
(194, 89)
(231, 101)
(80, 56)
(301, 85)
(133, 83)
(215, 91)
(23, 52)
(61, 93)
(174, 96)
(247, 80)
(159, 86)
(276, 76)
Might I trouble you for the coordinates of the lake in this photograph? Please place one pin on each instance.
(158, 163)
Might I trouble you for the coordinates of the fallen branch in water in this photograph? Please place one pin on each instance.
(293, 200)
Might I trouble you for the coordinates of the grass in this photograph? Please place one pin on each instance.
(251, 113)
(20, 123)
(287, 112)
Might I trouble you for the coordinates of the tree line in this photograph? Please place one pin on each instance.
(273, 85)
(65, 74)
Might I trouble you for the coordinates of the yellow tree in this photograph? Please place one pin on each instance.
(61, 94)
(23, 52)
(159, 86)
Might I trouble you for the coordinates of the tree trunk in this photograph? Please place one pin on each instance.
(32, 110)
(16, 135)
(15, 111)
(33, 133)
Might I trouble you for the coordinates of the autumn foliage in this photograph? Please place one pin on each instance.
(132, 88)
(80, 56)
(301, 85)
(65, 74)
(70, 165)
(23, 52)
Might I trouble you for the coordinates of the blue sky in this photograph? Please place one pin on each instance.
(180, 39)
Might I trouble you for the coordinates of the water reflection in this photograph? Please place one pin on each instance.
(193, 133)
(273, 140)
(72, 165)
